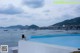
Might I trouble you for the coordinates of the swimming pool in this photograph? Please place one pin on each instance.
(69, 40)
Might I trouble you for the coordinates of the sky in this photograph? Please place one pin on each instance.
(38, 12)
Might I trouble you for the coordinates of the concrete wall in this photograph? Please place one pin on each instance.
(33, 47)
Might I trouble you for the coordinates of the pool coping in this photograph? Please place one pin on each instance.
(27, 46)
(56, 46)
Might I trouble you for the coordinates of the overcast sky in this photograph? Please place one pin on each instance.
(39, 12)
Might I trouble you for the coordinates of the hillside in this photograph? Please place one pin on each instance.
(21, 27)
(75, 21)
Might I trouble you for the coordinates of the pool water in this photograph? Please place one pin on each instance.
(70, 40)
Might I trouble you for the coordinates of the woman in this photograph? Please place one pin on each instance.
(23, 37)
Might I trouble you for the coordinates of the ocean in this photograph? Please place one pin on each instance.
(11, 37)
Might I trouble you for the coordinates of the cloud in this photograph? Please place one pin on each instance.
(35, 12)
(77, 10)
(46, 11)
(25, 15)
(11, 10)
(2, 19)
(34, 3)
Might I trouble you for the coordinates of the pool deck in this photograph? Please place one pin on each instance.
(34, 47)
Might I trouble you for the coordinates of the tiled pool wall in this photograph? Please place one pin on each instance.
(53, 35)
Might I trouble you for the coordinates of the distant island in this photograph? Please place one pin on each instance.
(72, 24)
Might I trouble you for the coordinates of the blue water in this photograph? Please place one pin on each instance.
(11, 38)
(70, 40)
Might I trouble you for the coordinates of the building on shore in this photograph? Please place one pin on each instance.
(63, 27)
